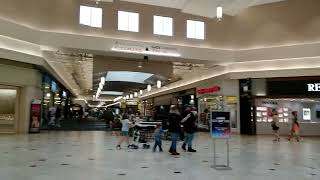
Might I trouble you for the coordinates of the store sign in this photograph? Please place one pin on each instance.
(314, 87)
(209, 90)
(35, 118)
(146, 49)
(301, 88)
(220, 125)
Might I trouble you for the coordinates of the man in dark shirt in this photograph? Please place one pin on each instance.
(189, 126)
(174, 129)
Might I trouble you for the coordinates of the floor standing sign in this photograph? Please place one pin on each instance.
(220, 128)
(35, 116)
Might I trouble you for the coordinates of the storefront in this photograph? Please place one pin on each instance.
(147, 109)
(185, 99)
(218, 96)
(285, 95)
(54, 96)
(20, 84)
(8, 108)
(161, 106)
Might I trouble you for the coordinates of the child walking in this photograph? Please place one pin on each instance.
(157, 138)
(295, 127)
(126, 124)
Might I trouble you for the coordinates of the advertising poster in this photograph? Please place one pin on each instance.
(220, 125)
(306, 114)
(35, 117)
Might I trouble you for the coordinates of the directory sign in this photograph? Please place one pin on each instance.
(220, 125)
(35, 116)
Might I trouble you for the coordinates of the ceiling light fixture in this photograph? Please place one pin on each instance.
(131, 96)
(219, 13)
(140, 65)
(127, 97)
(158, 84)
(135, 94)
(141, 92)
(149, 88)
(103, 80)
(101, 84)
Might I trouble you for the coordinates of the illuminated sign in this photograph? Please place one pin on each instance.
(208, 90)
(306, 114)
(313, 87)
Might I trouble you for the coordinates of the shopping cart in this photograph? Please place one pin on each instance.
(143, 131)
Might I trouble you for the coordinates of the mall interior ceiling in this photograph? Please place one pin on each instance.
(167, 45)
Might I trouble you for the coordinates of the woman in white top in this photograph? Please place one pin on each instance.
(126, 124)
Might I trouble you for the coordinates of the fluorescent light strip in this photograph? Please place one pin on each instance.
(147, 52)
(117, 99)
(115, 93)
(113, 104)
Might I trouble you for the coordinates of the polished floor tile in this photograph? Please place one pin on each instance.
(92, 155)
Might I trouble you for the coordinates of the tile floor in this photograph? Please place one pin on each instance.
(92, 155)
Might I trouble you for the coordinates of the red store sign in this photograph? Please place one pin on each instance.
(208, 90)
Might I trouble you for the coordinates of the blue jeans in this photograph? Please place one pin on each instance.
(174, 139)
(188, 139)
(157, 142)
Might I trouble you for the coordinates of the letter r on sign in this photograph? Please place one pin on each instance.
(311, 87)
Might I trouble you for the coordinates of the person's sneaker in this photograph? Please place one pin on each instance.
(118, 147)
(175, 153)
(191, 150)
(184, 147)
(160, 150)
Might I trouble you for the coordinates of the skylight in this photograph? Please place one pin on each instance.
(91, 16)
(128, 76)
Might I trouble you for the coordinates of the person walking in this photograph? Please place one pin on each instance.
(274, 125)
(189, 127)
(124, 131)
(295, 127)
(108, 117)
(58, 115)
(174, 128)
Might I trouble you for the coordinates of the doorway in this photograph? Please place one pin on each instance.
(8, 109)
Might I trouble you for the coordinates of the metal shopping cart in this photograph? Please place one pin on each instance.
(143, 131)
